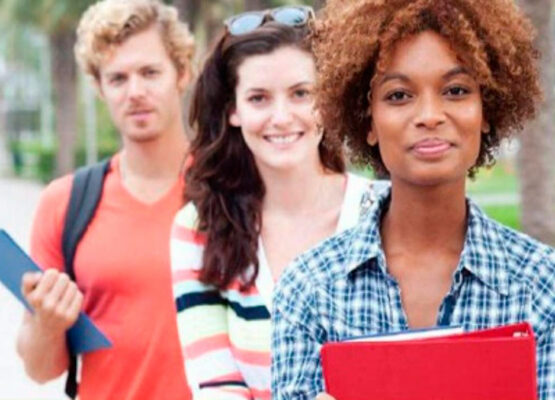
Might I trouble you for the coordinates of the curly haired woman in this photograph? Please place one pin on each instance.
(424, 90)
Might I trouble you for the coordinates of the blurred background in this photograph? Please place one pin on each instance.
(51, 122)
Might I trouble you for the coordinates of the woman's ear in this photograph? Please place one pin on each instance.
(234, 119)
(371, 137)
(486, 127)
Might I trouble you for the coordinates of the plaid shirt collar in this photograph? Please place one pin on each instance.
(483, 254)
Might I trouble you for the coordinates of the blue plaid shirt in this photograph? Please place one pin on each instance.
(341, 288)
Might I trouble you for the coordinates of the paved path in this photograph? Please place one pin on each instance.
(18, 200)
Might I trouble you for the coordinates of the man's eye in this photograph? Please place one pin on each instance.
(116, 79)
(151, 72)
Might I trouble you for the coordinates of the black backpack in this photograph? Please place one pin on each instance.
(86, 191)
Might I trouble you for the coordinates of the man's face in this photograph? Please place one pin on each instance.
(142, 88)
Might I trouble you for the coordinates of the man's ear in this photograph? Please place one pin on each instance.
(183, 80)
(234, 119)
(95, 82)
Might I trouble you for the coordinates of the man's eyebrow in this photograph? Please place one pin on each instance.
(152, 65)
(113, 73)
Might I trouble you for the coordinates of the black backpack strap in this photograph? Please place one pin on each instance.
(86, 191)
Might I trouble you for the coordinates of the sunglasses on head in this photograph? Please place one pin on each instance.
(288, 15)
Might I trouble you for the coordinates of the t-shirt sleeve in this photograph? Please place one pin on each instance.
(48, 222)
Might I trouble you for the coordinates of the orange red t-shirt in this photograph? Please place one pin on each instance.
(122, 266)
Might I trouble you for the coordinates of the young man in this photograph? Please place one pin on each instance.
(139, 56)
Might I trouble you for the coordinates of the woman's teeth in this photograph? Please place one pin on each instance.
(282, 139)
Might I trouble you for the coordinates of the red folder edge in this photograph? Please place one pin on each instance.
(424, 367)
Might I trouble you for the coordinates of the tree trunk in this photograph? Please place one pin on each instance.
(257, 4)
(188, 11)
(212, 13)
(537, 151)
(5, 162)
(64, 79)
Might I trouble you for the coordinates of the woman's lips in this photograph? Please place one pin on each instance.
(431, 148)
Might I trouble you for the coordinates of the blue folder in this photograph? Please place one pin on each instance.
(83, 336)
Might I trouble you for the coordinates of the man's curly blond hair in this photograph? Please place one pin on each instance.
(108, 23)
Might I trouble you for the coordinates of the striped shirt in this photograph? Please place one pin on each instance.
(342, 288)
(225, 335)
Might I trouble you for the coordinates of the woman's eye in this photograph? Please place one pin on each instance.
(256, 98)
(397, 96)
(301, 93)
(457, 91)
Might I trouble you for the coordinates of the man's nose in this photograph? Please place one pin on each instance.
(137, 87)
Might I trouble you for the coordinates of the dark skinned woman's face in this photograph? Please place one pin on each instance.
(427, 114)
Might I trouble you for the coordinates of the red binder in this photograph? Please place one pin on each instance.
(492, 364)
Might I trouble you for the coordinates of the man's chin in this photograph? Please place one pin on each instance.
(141, 137)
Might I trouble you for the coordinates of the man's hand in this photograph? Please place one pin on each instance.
(324, 396)
(55, 298)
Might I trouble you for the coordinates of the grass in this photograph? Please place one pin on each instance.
(508, 215)
(500, 180)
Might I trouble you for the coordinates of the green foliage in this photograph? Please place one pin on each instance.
(501, 178)
(49, 15)
(494, 189)
(508, 215)
(32, 159)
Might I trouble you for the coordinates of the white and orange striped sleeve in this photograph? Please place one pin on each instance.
(202, 323)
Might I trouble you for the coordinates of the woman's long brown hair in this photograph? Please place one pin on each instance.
(223, 181)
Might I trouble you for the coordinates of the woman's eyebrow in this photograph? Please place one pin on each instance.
(458, 70)
(392, 76)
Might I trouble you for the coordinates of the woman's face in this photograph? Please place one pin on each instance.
(427, 113)
(274, 107)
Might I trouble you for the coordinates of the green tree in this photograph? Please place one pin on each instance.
(189, 11)
(58, 20)
(257, 4)
(537, 151)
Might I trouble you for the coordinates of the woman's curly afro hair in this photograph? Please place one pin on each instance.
(354, 40)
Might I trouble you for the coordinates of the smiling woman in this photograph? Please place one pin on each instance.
(265, 184)
(423, 90)
(276, 115)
